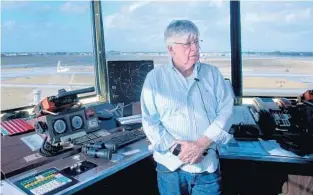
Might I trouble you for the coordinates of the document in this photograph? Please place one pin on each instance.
(34, 141)
(273, 148)
(243, 147)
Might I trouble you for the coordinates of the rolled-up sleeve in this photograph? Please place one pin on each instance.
(160, 139)
(219, 128)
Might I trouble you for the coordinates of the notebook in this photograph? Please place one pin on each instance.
(15, 126)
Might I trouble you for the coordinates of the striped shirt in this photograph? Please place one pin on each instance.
(172, 109)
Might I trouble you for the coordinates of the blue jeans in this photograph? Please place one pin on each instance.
(181, 182)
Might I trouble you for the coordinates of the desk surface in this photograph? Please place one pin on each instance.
(139, 150)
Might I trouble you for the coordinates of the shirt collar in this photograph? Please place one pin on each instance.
(195, 70)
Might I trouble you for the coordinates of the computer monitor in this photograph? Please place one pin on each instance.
(126, 79)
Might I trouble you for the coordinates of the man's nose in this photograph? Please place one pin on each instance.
(194, 46)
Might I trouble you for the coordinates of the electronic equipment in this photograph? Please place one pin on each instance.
(63, 127)
(266, 104)
(299, 144)
(126, 79)
(117, 140)
(246, 132)
(124, 139)
(79, 168)
(309, 113)
(177, 150)
(68, 125)
(302, 117)
(62, 101)
(46, 182)
(244, 125)
(283, 103)
(97, 152)
(90, 137)
(308, 95)
(271, 117)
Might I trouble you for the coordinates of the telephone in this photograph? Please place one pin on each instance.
(265, 104)
(271, 116)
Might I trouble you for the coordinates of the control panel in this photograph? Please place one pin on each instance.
(68, 124)
(49, 181)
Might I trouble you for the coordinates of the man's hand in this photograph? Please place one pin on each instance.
(191, 151)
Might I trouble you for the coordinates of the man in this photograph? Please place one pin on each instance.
(186, 109)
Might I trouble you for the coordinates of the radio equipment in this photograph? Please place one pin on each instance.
(69, 125)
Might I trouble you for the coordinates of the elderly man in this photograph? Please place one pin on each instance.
(186, 109)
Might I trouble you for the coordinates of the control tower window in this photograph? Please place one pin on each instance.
(135, 30)
(46, 45)
(277, 49)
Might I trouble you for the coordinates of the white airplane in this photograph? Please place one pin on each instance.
(60, 68)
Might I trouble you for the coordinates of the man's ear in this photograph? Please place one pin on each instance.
(171, 50)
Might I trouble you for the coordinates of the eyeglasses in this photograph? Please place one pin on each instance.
(188, 44)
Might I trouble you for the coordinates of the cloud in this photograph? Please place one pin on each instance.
(299, 15)
(8, 25)
(137, 5)
(143, 14)
(75, 7)
(12, 4)
(217, 3)
(143, 23)
(287, 15)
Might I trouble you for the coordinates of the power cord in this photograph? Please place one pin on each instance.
(197, 81)
(49, 150)
(118, 107)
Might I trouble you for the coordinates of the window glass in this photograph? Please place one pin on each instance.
(45, 46)
(135, 30)
(277, 47)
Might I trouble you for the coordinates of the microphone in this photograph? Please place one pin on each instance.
(196, 79)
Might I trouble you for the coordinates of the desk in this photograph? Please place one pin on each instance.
(138, 151)
(264, 170)
(124, 158)
(260, 150)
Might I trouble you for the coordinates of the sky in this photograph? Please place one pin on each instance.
(65, 26)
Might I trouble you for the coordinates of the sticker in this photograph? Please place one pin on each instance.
(131, 152)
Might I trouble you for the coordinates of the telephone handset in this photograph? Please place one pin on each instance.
(265, 104)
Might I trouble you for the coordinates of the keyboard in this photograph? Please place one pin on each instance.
(116, 141)
(123, 139)
(90, 137)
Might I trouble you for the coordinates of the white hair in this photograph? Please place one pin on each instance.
(180, 28)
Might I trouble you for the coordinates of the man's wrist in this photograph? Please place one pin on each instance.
(204, 142)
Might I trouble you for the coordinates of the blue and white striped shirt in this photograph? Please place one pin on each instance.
(172, 109)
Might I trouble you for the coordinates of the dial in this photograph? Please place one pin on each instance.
(77, 122)
(59, 126)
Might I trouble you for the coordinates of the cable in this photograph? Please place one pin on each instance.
(48, 150)
(117, 107)
(198, 80)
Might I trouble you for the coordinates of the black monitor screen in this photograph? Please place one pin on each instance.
(126, 79)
